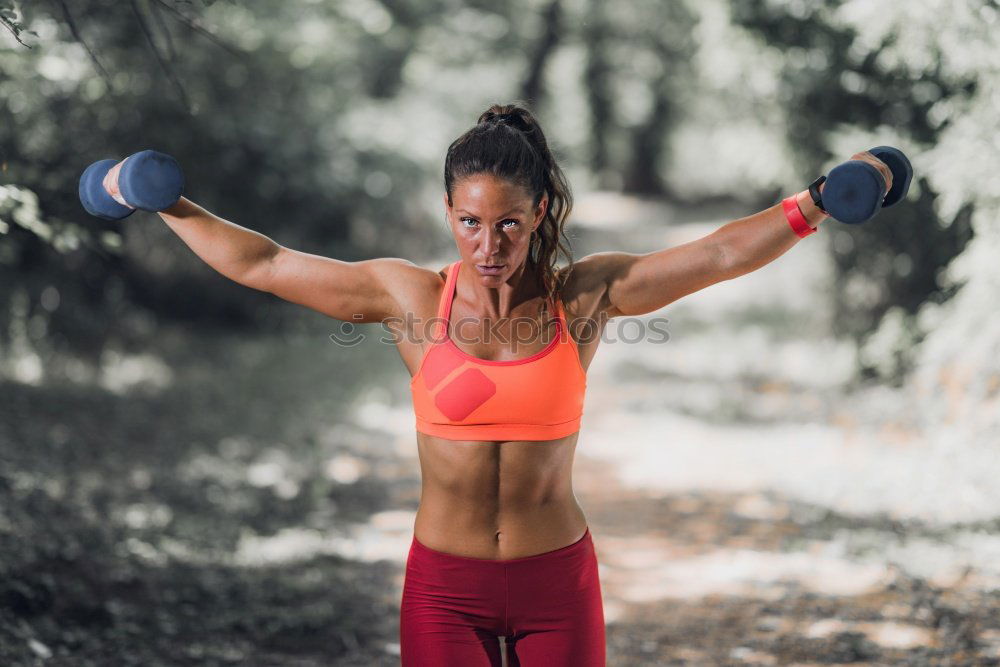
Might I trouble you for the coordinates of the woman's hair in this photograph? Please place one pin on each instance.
(509, 143)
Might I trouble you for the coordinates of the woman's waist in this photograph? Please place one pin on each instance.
(498, 530)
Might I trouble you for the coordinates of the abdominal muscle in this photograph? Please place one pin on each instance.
(497, 500)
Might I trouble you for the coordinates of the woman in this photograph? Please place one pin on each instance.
(501, 549)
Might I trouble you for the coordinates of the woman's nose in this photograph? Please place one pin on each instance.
(491, 241)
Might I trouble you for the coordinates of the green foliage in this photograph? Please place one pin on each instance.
(19, 206)
(833, 79)
(262, 140)
(637, 78)
(10, 20)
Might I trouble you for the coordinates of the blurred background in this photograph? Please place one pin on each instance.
(192, 472)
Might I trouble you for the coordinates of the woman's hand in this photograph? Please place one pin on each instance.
(882, 167)
(813, 215)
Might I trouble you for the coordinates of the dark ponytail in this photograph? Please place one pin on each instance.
(509, 143)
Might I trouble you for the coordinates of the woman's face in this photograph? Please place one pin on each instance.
(492, 220)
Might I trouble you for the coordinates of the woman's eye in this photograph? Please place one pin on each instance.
(476, 222)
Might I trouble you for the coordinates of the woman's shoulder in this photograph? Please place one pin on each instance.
(402, 272)
(581, 277)
(415, 287)
(584, 284)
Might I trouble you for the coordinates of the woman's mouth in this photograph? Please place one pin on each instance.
(490, 269)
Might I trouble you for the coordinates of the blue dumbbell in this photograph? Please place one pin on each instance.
(147, 180)
(855, 190)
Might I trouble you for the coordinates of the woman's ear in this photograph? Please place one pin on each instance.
(541, 209)
(447, 209)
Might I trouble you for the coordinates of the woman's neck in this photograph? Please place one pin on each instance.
(499, 302)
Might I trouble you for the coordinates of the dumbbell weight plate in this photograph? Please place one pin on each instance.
(853, 192)
(902, 172)
(95, 199)
(151, 180)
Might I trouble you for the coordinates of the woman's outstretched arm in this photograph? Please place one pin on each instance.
(751, 242)
(638, 284)
(238, 253)
(357, 292)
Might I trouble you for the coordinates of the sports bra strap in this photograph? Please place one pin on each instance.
(444, 303)
(563, 325)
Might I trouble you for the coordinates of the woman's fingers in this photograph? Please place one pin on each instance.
(882, 167)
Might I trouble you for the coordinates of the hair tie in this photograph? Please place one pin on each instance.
(507, 118)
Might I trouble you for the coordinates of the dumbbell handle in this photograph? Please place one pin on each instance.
(110, 184)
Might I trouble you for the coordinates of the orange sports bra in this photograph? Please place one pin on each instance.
(462, 397)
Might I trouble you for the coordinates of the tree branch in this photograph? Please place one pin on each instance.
(193, 24)
(169, 71)
(13, 30)
(158, 13)
(76, 35)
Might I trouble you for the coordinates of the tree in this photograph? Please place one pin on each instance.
(833, 78)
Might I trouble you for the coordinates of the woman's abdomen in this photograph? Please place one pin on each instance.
(497, 500)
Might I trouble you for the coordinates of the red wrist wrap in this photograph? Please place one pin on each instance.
(795, 217)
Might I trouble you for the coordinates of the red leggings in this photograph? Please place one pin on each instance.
(547, 607)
